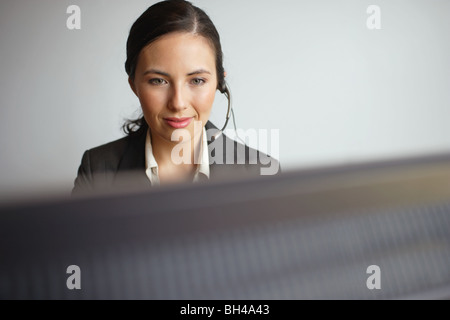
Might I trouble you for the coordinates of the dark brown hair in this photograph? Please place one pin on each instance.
(163, 18)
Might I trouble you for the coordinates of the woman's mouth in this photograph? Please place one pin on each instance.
(178, 123)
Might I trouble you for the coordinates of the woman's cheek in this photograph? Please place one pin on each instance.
(206, 100)
(152, 102)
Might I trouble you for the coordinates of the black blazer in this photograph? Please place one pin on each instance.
(121, 163)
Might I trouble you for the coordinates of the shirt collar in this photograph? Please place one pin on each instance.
(151, 166)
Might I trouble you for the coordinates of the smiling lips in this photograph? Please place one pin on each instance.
(178, 123)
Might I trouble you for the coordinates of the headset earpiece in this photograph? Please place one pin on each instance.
(221, 88)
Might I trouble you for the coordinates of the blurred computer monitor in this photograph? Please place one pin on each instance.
(368, 231)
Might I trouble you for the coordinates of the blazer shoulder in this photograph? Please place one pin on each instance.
(110, 152)
(266, 165)
(100, 165)
(233, 158)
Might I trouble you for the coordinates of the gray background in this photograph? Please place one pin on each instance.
(338, 92)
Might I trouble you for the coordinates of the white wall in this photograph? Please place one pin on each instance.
(337, 91)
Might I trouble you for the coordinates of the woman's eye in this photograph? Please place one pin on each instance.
(198, 81)
(157, 81)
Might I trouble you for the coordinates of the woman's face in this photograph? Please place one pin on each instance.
(176, 82)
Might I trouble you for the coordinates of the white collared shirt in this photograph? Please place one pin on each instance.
(151, 166)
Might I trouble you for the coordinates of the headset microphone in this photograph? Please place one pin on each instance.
(226, 92)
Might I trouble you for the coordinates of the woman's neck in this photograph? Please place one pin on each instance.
(176, 160)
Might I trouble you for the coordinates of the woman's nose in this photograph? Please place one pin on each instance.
(178, 98)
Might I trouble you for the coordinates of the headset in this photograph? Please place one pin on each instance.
(230, 112)
(226, 91)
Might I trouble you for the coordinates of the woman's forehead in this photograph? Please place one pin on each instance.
(176, 51)
(179, 46)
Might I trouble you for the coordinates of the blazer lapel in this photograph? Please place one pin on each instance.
(218, 167)
(132, 164)
(210, 131)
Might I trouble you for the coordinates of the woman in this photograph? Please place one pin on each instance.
(174, 63)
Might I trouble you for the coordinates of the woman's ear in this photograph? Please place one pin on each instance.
(224, 86)
(132, 86)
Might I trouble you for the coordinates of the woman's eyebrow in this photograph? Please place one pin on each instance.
(156, 71)
(198, 72)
